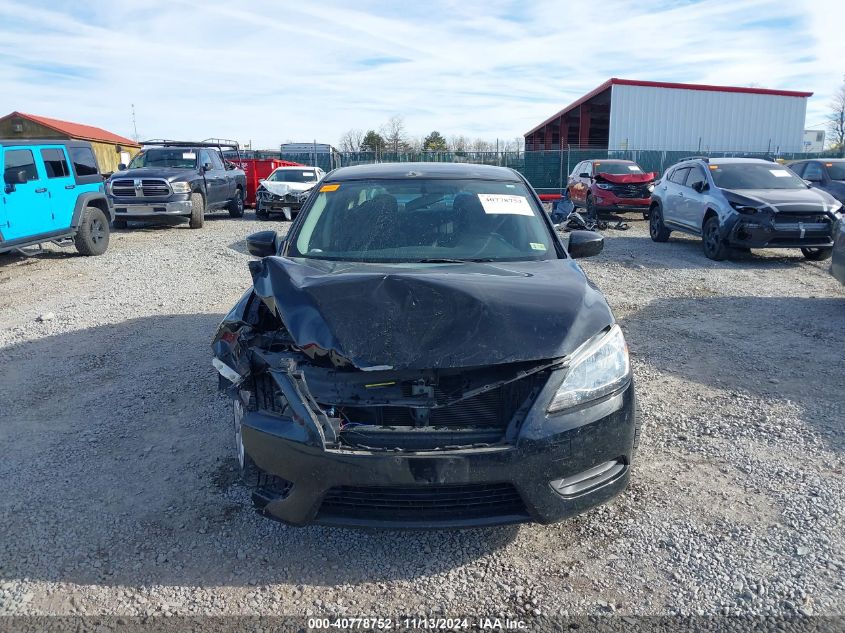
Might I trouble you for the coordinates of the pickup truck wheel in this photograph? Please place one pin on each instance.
(656, 229)
(817, 254)
(714, 245)
(119, 224)
(236, 206)
(92, 235)
(197, 211)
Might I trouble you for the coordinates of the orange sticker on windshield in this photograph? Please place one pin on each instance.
(333, 187)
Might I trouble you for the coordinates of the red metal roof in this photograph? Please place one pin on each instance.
(663, 84)
(77, 130)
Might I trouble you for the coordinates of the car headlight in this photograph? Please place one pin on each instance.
(744, 208)
(181, 187)
(604, 186)
(600, 367)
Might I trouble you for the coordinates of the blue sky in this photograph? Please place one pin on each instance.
(270, 72)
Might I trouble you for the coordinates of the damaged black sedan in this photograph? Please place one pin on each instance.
(421, 351)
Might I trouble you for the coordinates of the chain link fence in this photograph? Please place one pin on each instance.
(547, 171)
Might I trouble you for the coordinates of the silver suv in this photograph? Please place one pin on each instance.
(742, 203)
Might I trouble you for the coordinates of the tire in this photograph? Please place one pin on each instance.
(236, 206)
(197, 211)
(92, 235)
(119, 224)
(262, 214)
(817, 254)
(247, 470)
(656, 229)
(711, 239)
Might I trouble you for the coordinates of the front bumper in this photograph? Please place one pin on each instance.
(287, 206)
(482, 486)
(606, 200)
(149, 208)
(763, 230)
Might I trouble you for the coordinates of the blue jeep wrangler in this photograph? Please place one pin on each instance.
(52, 192)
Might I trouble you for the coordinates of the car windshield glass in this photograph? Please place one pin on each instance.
(293, 175)
(836, 171)
(617, 168)
(423, 220)
(754, 176)
(179, 158)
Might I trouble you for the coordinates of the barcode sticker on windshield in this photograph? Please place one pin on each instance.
(308, 174)
(633, 168)
(498, 203)
(189, 155)
(780, 173)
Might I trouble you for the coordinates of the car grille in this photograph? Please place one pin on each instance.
(631, 191)
(423, 503)
(150, 188)
(808, 221)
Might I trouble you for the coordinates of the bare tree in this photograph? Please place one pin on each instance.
(836, 119)
(458, 143)
(351, 141)
(394, 133)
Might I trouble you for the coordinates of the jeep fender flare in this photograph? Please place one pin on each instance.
(91, 199)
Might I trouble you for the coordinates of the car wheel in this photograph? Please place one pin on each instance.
(236, 206)
(119, 224)
(92, 235)
(197, 211)
(714, 245)
(247, 469)
(817, 254)
(656, 229)
(262, 214)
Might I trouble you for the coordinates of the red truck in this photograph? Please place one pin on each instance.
(611, 185)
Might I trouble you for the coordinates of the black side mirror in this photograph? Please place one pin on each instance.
(207, 167)
(699, 186)
(121, 167)
(583, 174)
(262, 244)
(585, 244)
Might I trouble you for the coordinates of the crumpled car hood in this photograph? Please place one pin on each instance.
(625, 178)
(392, 316)
(283, 188)
(784, 200)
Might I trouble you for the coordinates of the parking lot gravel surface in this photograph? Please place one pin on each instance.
(118, 474)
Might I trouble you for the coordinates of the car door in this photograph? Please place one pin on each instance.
(693, 204)
(26, 198)
(61, 183)
(674, 195)
(214, 180)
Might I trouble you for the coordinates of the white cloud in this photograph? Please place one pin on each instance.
(268, 72)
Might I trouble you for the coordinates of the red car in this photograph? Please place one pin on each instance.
(611, 185)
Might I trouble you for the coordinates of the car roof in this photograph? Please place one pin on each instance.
(43, 141)
(294, 167)
(400, 171)
(612, 160)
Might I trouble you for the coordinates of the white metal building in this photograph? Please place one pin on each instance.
(629, 114)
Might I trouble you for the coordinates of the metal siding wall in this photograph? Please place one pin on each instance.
(671, 119)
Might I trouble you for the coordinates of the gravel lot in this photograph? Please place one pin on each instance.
(118, 493)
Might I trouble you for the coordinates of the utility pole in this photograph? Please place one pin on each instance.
(134, 124)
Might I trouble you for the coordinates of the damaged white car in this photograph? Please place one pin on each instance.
(285, 190)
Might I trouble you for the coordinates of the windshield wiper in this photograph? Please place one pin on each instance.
(446, 260)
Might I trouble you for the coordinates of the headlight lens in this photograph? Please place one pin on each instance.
(604, 186)
(744, 209)
(597, 369)
(180, 187)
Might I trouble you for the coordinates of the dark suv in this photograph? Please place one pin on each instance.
(421, 350)
(827, 174)
(742, 203)
(173, 182)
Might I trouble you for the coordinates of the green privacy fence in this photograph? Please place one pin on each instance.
(547, 171)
